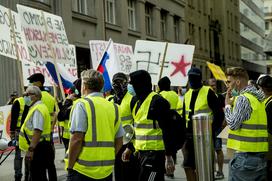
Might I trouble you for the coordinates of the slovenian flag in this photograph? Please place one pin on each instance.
(66, 78)
(108, 65)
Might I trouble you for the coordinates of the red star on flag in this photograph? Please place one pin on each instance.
(180, 66)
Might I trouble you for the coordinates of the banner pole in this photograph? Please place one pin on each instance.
(163, 61)
(54, 58)
(17, 54)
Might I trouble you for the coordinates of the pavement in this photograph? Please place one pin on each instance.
(7, 171)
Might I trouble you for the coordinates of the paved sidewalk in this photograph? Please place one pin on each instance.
(6, 169)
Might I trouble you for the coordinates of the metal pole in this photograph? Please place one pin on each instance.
(202, 133)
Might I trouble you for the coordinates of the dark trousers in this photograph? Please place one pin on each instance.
(66, 143)
(124, 171)
(151, 165)
(43, 160)
(18, 160)
(76, 176)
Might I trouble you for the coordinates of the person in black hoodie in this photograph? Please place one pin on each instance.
(152, 133)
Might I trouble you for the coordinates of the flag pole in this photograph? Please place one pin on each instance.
(101, 58)
(54, 58)
(17, 54)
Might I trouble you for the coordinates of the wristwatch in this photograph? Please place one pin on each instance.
(30, 149)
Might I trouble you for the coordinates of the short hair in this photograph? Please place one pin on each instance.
(237, 72)
(92, 79)
(35, 91)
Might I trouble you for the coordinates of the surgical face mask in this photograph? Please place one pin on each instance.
(234, 92)
(27, 100)
(131, 89)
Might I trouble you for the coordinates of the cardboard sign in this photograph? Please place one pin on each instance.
(39, 67)
(217, 72)
(178, 61)
(5, 120)
(42, 30)
(123, 52)
(148, 55)
(7, 36)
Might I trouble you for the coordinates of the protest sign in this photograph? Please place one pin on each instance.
(39, 67)
(148, 55)
(43, 30)
(217, 72)
(5, 120)
(177, 63)
(124, 54)
(9, 35)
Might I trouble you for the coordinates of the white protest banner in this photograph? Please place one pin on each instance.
(39, 67)
(7, 36)
(148, 55)
(5, 120)
(123, 52)
(178, 61)
(40, 36)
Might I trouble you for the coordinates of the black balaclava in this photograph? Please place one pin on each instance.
(77, 87)
(195, 78)
(141, 82)
(119, 84)
(164, 84)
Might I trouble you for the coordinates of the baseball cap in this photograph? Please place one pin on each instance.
(38, 77)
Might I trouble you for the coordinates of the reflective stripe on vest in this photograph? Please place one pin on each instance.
(147, 138)
(252, 136)
(96, 159)
(125, 110)
(22, 107)
(201, 103)
(45, 135)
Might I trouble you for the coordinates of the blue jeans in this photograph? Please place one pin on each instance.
(247, 167)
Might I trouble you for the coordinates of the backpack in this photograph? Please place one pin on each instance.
(178, 127)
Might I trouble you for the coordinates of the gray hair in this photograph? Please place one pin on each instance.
(92, 79)
(35, 91)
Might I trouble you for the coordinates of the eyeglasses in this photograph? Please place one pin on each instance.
(29, 94)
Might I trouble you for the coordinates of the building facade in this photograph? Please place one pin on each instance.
(268, 34)
(213, 27)
(125, 21)
(252, 28)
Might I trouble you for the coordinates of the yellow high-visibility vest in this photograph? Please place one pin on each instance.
(22, 107)
(147, 137)
(49, 101)
(173, 99)
(23, 144)
(96, 159)
(201, 104)
(253, 135)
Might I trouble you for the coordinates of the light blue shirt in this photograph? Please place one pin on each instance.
(36, 120)
(79, 121)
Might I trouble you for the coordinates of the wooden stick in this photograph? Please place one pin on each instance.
(17, 53)
(54, 58)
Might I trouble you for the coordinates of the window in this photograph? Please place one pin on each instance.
(176, 28)
(205, 40)
(266, 9)
(204, 6)
(266, 25)
(200, 38)
(199, 5)
(148, 19)
(44, 1)
(228, 20)
(110, 11)
(163, 24)
(85, 7)
(131, 14)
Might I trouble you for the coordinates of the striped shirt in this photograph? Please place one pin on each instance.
(242, 109)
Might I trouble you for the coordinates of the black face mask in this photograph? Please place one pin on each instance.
(120, 89)
(195, 82)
